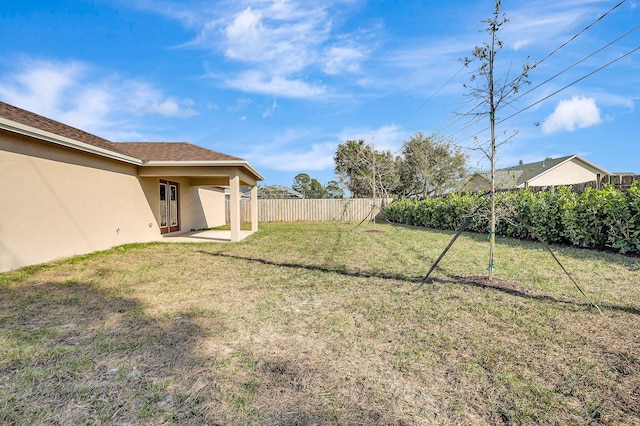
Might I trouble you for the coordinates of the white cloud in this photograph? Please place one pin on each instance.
(319, 157)
(531, 25)
(341, 59)
(570, 114)
(290, 151)
(269, 112)
(272, 43)
(278, 37)
(384, 138)
(79, 95)
(246, 36)
(41, 86)
(241, 104)
(257, 82)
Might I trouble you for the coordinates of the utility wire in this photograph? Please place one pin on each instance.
(455, 75)
(580, 33)
(570, 84)
(575, 36)
(563, 88)
(577, 63)
(436, 92)
(563, 45)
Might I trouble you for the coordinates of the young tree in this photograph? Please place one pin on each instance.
(492, 96)
(430, 165)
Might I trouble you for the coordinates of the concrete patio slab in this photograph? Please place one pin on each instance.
(207, 236)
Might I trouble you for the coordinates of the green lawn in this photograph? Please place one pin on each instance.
(322, 324)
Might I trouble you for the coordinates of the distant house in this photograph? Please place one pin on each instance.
(568, 170)
(278, 191)
(68, 192)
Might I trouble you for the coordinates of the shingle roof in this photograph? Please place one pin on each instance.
(526, 172)
(43, 123)
(511, 177)
(172, 151)
(145, 151)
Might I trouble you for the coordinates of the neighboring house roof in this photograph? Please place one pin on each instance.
(272, 191)
(139, 153)
(278, 191)
(517, 176)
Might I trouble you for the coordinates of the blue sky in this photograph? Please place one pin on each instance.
(282, 83)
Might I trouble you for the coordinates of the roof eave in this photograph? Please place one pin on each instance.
(43, 135)
(207, 163)
(604, 171)
(576, 157)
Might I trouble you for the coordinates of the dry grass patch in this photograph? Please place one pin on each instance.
(321, 324)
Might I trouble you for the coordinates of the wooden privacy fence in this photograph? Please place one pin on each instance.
(311, 210)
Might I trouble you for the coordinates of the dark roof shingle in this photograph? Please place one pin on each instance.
(145, 151)
(43, 123)
(172, 151)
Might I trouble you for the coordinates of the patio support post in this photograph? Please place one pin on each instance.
(254, 208)
(234, 207)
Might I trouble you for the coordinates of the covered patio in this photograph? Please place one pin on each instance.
(194, 167)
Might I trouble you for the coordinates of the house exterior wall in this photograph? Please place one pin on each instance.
(199, 207)
(213, 202)
(567, 173)
(59, 202)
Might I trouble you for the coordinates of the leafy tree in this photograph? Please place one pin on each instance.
(387, 176)
(316, 190)
(365, 171)
(353, 166)
(308, 186)
(334, 190)
(430, 165)
(492, 96)
(301, 183)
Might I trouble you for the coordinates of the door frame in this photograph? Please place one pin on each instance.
(170, 206)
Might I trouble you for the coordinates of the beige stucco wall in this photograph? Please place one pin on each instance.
(213, 203)
(199, 207)
(58, 202)
(566, 174)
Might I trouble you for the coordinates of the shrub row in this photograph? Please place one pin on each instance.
(595, 218)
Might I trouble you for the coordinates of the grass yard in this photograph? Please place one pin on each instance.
(322, 324)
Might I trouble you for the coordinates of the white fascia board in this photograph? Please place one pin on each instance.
(198, 163)
(43, 135)
(573, 157)
(604, 171)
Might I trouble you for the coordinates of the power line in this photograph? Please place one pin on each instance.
(556, 92)
(580, 32)
(575, 36)
(456, 74)
(570, 84)
(565, 70)
(436, 92)
(577, 63)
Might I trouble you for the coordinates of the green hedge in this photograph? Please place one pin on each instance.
(595, 218)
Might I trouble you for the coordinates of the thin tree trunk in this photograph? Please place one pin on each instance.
(492, 118)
